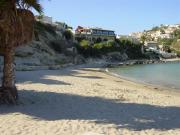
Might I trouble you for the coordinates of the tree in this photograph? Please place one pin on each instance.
(176, 34)
(162, 31)
(155, 28)
(98, 40)
(143, 38)
(165, 41)
(40, 17)
(16, 26)
(85, 44)
(68, 35)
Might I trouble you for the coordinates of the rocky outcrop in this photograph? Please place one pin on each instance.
(48, 50)
(134, 62)
(116, 56)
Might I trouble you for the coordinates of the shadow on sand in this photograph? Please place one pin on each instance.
(55, 106)
(52, 106)
(43, 76)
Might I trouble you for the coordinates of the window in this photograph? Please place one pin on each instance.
(98, 32)
(111, 33)
(94, 31)
(105, 32)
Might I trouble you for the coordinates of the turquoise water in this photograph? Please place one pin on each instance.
(167, 74)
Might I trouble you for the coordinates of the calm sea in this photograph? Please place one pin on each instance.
(167, 74)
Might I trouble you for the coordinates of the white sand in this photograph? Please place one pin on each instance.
(88, 102)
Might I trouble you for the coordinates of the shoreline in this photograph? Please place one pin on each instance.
(103, 66)
(95, 62)
(141, 62)
(171, 60)
(158, 88)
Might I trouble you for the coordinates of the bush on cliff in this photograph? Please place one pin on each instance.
(103, 48)
(68, 35)
(43, 28)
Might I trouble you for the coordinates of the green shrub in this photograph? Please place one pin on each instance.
(103, 48)
(98, 40)
(68, 34)
(176, 34)
(97, 46)
(85, 44)
(176, 45)
(43, 28)
(165, 41)
(83, 48)
(178, 53)
(56, 45)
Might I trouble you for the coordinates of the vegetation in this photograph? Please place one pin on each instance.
(176, 34)
(165, 41)
(85, 44)
(155, 28)
(16, 28)
(56, 46)
(68, 35)
(43, 28)
(162, 31)
(175, 45)
(88, 49)
(169, 44)
(133, 50)
(143, 38)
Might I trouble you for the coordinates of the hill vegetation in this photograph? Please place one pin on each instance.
(166, 35)
(100, 49)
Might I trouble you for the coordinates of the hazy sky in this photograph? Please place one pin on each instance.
(123, 16)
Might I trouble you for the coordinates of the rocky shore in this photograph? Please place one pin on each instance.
(140, 62)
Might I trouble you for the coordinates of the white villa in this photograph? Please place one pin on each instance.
(93, 34)
(44, 19)
(131, 38)
(61, 26)
(151, 45)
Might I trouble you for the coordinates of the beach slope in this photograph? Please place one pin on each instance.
(87, 101)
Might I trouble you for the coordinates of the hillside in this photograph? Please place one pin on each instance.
(158, 32)
(166, 35)
(48, 49)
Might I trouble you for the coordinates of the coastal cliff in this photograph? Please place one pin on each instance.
(49, 49)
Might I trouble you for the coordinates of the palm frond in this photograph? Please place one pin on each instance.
(30, 4)
(34, 4)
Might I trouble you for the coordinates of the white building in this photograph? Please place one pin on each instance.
(136, 35)
(151, 45)
(166, 36)
(133, 39)
(47, 19)
(61, 26)
(44, 19)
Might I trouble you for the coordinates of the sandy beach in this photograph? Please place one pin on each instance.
(87, 101)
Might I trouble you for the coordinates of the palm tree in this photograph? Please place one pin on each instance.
(16, 29)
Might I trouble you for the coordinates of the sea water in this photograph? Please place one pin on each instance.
(166, 74)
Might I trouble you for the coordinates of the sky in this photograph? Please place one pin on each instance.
(122, 16)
